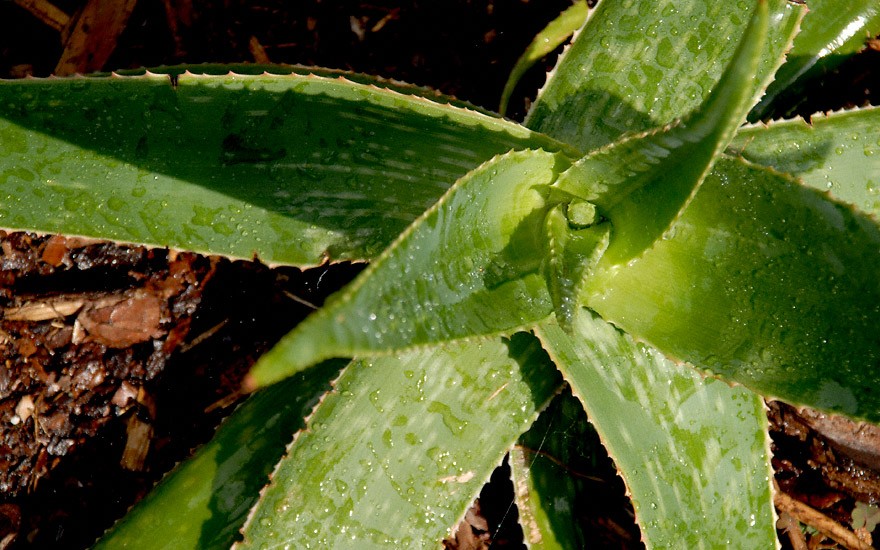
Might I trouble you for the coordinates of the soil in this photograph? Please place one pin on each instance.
(117, 361)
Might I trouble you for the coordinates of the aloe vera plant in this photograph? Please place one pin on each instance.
(630, 238)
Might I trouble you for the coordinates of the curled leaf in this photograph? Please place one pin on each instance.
(642, 183)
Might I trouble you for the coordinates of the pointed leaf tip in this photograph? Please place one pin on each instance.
(480, 246)
(574, 246)
(642, 183)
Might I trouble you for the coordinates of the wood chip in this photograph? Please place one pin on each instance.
(46, 12)
(25, 408)
(94, 36)
(258, 51)
(137, 444)
(121, 322)
(859, 440)
(126, 394)
(56, 251)
(819, 521)
(43, 310)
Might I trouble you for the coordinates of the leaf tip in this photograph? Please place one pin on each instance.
(250, 384)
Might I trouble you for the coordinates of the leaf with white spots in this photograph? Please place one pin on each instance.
(396, 453)
(692, 451)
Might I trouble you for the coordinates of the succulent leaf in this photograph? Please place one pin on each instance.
(692, 451)
(294, 168)
(640, 65)
(572, 253)
(205, 500)
(838, 153)
(763, 281)
(642, 183)
(394, 455)
(831, 32)
(444, 278)
(551, 37)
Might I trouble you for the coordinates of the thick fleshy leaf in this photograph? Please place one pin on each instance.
(293, 168)
(481, 245)
(839, 152)
(766, 282)
(555, 477)
(572, 254)
(205, 501)
(831, 32)
(637, 65)
(551, 37)
(398, 451)
(642, 183)
(693, 451)
(471, 266)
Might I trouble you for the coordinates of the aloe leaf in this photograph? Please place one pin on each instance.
(551, 37)
(766, 282)
(831, 32)
(204, 502)
(839, 152)
(637, 65)
(445, 278)
(294, 168)
(395, 454)
(261, 70)
(554, 469)
(481, 245)
(692, 451)
(642, 183)
(573, 253)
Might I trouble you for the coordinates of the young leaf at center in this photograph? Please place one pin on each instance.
(642, 183)
(499, 237)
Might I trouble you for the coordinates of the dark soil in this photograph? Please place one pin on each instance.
(464, 48)
(117, 361)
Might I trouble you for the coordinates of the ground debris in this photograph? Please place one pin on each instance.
(69, 345)
(115, 362)
(825, 468)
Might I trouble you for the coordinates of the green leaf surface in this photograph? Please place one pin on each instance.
(831, 32)
(550, 38)
(640, 64)
(204, 502)
(554, 469)
(398, 451)
(276, 69)
(293, 168)
(642, 183)
(572, 255)
(839, 152)
(692, 451)
(481, 245)
(470, 266)
(766, 282)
